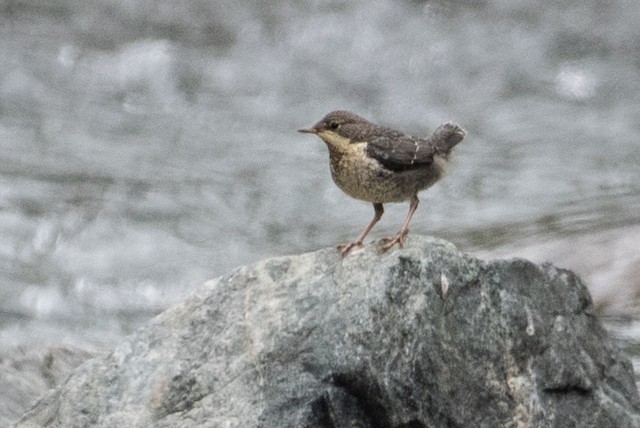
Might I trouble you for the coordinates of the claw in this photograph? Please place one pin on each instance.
(388, 242)
(345, 248)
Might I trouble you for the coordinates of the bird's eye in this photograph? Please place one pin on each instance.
(334, 125)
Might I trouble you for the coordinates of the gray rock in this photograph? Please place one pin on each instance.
(26, 374)
(423, 336)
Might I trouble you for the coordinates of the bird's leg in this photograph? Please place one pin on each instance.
(389, 242)
(345, 248)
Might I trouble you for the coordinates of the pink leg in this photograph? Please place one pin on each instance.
(399, 238)
(345, 248)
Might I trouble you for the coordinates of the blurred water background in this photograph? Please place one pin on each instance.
(147, 146)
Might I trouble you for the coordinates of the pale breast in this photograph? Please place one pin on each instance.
(364, 178)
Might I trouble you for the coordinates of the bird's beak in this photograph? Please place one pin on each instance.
(308, 131)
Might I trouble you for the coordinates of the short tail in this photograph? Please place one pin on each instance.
(447, 136)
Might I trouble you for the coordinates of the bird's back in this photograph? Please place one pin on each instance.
(399, 152)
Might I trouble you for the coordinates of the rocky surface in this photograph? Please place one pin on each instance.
(25, 374)
(423, 336)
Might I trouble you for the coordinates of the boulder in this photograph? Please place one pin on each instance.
(423, 336)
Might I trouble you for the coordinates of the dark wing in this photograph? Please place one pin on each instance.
(401, 152)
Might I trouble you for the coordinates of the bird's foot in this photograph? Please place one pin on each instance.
(345, 248)
(387, 243)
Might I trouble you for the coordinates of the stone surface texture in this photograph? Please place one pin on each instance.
(26, 374)
(423, 336)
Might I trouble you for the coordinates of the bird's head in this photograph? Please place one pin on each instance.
(340, 128)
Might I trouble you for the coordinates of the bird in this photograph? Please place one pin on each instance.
(380, 165)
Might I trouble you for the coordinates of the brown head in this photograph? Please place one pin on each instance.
(340, 128)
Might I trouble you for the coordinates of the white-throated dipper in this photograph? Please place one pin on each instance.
(380, 165)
